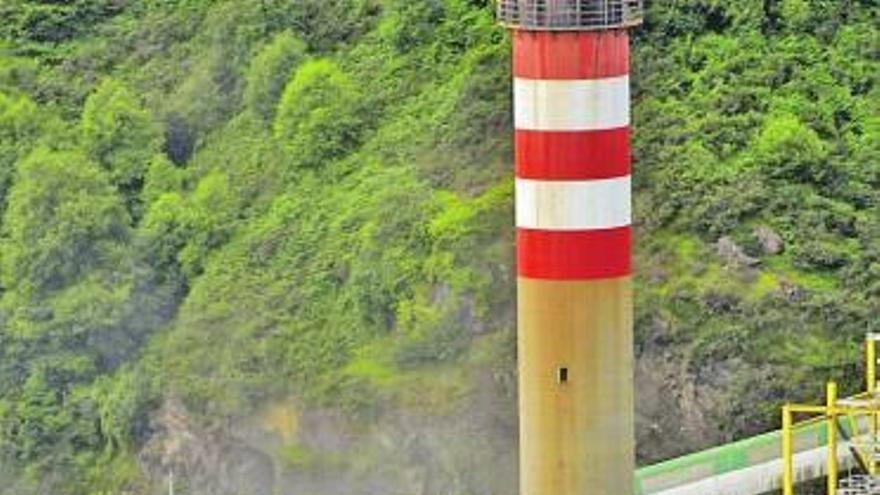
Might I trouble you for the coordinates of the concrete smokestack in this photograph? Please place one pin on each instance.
(574, 237)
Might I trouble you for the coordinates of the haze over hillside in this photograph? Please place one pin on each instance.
(267, 245)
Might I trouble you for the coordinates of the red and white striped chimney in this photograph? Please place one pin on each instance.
(571, 98)
(574, 243)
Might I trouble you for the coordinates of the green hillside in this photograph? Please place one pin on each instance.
(276, 236)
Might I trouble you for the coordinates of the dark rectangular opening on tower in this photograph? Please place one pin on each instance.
(562, 375)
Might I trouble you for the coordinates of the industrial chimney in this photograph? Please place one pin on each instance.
(574, 236)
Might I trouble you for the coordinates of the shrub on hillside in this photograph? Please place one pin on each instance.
(318, 117)
(269, 71)
(120, 135)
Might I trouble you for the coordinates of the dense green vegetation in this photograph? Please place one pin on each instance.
(235, 200)
(765, 122)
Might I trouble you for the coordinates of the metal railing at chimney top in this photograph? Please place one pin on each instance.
(575, 15)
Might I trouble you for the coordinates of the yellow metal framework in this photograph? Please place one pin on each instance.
(862, 406)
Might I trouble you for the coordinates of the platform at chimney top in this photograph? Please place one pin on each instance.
(570, 15)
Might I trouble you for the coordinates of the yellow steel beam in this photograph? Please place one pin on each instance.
(807, 409)
(831, 402)
(871, 382)
(824, 410)
(787, 452)
(871, 364)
